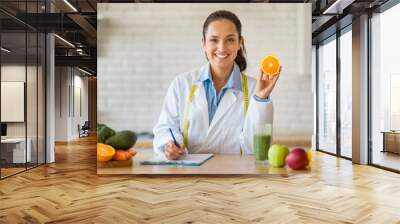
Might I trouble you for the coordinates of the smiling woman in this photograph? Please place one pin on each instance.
(221, 90)
(163, 54)
(223, 43)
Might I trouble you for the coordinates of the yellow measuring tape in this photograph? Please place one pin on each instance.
(186, 115)
(245, 93)
(189, 102)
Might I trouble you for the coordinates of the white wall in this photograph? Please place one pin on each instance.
(80, 108)
(33, 127)
(142, 47)
(12, 73)
(61, 103)
(67, 115)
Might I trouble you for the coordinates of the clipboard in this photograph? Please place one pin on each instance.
(188, 160)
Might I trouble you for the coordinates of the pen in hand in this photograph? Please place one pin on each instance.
(175, 142)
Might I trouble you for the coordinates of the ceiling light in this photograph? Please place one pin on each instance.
(84, 71)
(5, 49)
(64, 40)
(338, 6)
(70, 5)
(79, 51)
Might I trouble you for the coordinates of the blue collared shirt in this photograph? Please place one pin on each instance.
(213, 100)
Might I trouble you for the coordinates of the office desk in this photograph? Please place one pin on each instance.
(219, 164)
(391, 141)
(17, 150)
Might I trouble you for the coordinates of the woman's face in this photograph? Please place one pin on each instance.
(221, 43)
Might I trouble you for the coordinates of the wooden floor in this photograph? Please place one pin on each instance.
(387, 159)
(10, 171)
(5, 172)
(69, 191)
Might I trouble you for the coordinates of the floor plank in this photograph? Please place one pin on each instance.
(386, 159)
(69, 191)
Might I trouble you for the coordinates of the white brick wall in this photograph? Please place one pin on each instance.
(142, 47)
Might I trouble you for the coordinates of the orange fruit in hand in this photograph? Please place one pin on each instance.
(104, 152)
(270, 65)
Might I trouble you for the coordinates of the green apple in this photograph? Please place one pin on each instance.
(277, 155)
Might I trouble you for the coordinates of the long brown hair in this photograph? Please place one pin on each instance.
(223, 14)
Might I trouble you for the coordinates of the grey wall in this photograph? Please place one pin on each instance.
(142, 47)
(68, 83)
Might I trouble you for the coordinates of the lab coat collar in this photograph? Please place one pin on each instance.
(234, 81)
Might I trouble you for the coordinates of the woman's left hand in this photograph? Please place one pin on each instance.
(265, 84)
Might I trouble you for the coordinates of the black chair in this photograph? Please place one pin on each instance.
(84, 130)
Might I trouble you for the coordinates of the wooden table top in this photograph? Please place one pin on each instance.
(219, 164)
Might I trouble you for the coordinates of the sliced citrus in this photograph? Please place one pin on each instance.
(270, 65)
(104, 152)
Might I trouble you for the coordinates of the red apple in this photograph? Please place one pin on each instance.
(297, 159)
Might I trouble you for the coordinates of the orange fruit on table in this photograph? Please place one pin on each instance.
(104, 152)
(270, 65)
(132, 151)
(121, 155)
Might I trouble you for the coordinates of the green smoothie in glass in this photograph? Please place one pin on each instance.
(261, 141)
(261, 146)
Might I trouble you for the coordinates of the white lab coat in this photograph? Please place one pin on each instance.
(230, 128)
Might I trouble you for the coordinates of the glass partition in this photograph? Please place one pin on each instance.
(327, 96)
(22, 66)
(346, 93)
(385, 89)
(41, 109)
(13, 95)
(31, 100)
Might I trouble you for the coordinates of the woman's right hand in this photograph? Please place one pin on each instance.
(172, 152)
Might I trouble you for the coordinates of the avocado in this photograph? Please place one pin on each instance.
(104, 133)
(99, 126)
(122, 140)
